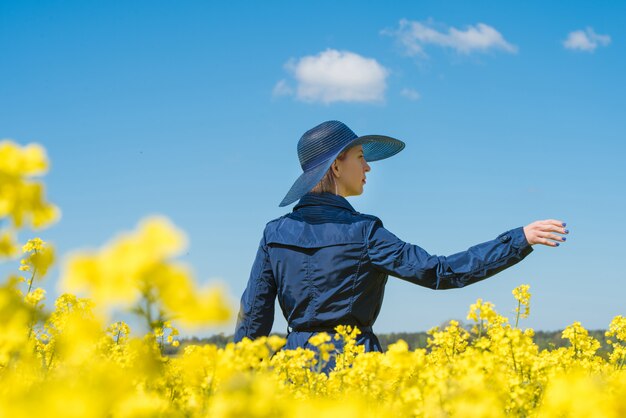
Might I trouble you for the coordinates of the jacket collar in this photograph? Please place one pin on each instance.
(324, 198)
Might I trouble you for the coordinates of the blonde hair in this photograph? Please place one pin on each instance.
(327, 183)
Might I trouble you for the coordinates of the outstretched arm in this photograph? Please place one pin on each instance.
(256, 312)
(410, 262)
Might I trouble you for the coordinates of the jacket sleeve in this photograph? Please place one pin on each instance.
(256, 311)
(406, 261)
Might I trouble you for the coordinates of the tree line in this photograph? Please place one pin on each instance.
(544, 340)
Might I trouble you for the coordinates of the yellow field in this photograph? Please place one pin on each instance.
(71, 361)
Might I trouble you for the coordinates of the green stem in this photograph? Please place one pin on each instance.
(513, 356)
(50, 360)
(148, 312)
(30, 286)
(30, 282)
(30, 328)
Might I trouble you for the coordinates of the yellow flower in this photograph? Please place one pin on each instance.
(617, 330)
(319, 338)
(35, 296)
(8, 247)
(485, 316)
(22, 199)
(583, 346)
(29, 160)
(522, 295)
(35, 244)
(126, 266)
(188, 303)
(39, 257)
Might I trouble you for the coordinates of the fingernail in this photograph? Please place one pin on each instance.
(564, 223)
(564, 239)
(557, 244)
(567, 231)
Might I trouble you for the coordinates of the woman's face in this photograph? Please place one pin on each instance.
(350, 172)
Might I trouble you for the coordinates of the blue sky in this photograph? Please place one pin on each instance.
(511, 112)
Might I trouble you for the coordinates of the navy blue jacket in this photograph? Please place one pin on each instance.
(328, 264)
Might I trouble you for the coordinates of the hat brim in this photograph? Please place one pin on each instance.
(375, 148)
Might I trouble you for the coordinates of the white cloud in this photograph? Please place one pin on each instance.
(586, 40)
(414, 36)
(335, 76)
(410, 94)
(282, 88)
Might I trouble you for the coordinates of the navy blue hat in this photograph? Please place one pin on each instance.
(320, 146)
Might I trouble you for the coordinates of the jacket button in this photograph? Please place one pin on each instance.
(505, 238)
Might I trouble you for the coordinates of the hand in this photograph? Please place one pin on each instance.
(541, 232)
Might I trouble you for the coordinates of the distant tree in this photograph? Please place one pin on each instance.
(544, 339)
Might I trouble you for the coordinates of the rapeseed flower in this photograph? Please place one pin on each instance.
(137, 269)
(522, 295)
(22, 199)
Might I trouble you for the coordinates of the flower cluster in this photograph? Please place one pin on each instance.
(617, 331)
(137, 269)
(22, 199)
(522, 295)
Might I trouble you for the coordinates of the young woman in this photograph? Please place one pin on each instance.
(328, 264)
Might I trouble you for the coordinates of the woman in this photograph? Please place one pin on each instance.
(328, 264)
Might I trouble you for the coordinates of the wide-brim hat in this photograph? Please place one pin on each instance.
(320, 146)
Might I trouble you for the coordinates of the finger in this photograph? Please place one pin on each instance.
(549, 243)
(555, 222)
(554, 228)
(547, 236)
(555, 237)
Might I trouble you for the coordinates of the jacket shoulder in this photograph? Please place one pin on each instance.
(287, 230)
(274, 223)
(372, 218)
